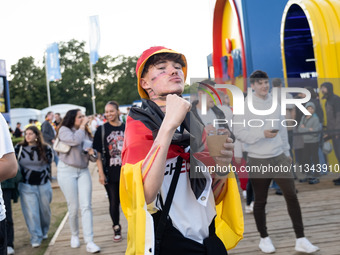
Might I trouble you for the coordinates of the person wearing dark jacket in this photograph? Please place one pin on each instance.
(49, 133)
(47, 129)
(319, 113)
(309, 125)
(315, 100)
(17, 131)
(333, 119)
(212, 112)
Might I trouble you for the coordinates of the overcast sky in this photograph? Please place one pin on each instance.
(128, 27)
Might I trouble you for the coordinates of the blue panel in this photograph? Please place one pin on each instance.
(52, 62)
(262, 24)
(299, 51)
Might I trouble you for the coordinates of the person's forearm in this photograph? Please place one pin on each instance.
(220, 187)
(8, 166)
(100, 164)
(154, 163)
(71, 138)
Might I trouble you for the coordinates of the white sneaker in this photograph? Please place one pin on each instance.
(45, 237)
(91, 247)
(10, 250)
(304, 245)
(249, 208)
(266, 245)
(75, 242)
(35, 245)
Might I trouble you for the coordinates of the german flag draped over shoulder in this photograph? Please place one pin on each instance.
(142, 126)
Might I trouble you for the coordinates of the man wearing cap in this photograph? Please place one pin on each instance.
(155, 153)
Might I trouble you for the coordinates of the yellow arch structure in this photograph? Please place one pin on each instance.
(324, 21)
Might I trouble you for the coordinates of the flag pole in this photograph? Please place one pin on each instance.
(92, 89)
(93, 56)
(47, 82)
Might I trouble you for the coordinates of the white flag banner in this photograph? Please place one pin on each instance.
(52, 62)
(94, 39)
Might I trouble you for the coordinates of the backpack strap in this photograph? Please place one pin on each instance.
(19, 153)
(166, 208)
(103, 136)
(104, 152)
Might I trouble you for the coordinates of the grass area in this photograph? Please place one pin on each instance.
(22, 245)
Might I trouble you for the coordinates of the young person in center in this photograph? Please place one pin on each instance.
(109, 171)
(268, 146)
(157, 138)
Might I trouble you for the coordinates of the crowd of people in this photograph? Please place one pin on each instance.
(35, 155)
(145, 162)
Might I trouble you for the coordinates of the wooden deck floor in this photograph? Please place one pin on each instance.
(102, 227)
(320, 206)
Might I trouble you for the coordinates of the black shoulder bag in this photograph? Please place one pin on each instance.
(103, 157)
(165, 210)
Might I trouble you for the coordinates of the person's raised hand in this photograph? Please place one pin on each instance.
(227, 153)
(84, 121)
(176, 110)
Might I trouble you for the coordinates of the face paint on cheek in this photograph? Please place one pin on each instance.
(157, 76)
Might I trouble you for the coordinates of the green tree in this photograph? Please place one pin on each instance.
(28, 86)
(115, 79)
(75, 84)
(123, 87)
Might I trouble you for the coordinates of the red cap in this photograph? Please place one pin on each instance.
(145, 56)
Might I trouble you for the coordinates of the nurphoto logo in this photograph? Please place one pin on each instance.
(239, 107)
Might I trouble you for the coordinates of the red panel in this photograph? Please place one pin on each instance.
(244, 66)
(217, 39)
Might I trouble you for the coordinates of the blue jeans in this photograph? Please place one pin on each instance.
(56, 158)
(76, 184)
(336, 147)
(35, 205)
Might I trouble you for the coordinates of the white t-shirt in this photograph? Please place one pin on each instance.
(228, 113)
(94, 125)
(207, 119)
(5, 148)
(255, 143)
(189, 215)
